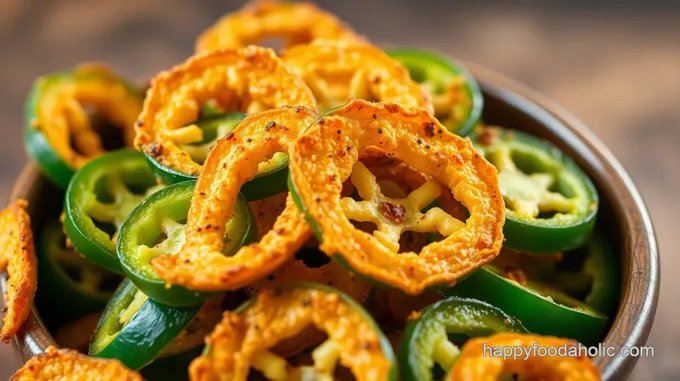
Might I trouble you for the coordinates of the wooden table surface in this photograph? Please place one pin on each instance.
(617, 69)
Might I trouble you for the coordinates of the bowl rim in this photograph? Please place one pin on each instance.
(640, 283)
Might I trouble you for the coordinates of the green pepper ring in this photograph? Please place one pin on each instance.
(152, 327)
(38, 146)
(86, 237)
(56, 286)
(600, 266)
(385, 345)
(410, 57)
(604, 295)
(415, 337)
(173, 200)
(539, 314)
(548, 235)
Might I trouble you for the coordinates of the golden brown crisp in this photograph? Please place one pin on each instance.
(244, 340)
(474, 363)
(331, 274)
(65, 364)
(296, 23)
(327, 154)
(17, 257)
(338, 71)
(251, 79)
(62, 115)
(200, 264)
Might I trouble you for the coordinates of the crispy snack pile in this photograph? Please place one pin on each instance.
(327, 210)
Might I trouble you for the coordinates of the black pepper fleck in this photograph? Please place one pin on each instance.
(429, 129)
(380, 130)
(270, 125)
(375, 116)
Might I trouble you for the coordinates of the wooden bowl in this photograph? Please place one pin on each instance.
(510, 105)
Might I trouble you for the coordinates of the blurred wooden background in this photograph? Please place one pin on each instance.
(614, 64)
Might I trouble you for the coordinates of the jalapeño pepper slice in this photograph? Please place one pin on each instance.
(589, 273)
(99, 199)
(312, 265)
(60, 135)
(200, 264)
(137, 330)
(269, 180)
(551, 204)
(327, 155)
(295, 22)
(541, 309)
(250, 80)
(337, 71)
(245, 337)
(157, 227)
(456, 96)
(70, 283)
(425, 341)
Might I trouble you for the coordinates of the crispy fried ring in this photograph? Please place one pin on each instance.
(250, 79)
(474, 363)
(331, 274)
(200, 265)
(297, 23)
(18, 258)
(243, 339)
(323, 158)
(66, 364)
(337, 71)
(60, 113)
